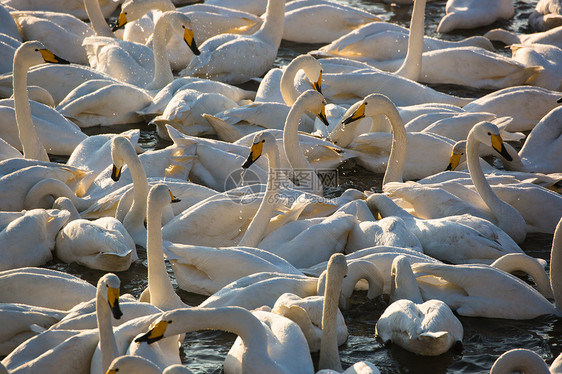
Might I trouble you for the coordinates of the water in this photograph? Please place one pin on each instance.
(484, 339)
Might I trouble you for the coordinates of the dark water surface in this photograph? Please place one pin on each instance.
(484, 339)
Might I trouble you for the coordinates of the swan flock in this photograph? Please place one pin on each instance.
(310, 176)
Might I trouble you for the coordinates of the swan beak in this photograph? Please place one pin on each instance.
(154, 334)
(559, 100)
(357, 115)
(255, 153)
(322, 116)
(454, 161)
(115, 173)
(49, 56)
(189, 38)
(113, 299)
(173, 199)
(498, 145)
(318, 84)
(111, 371)
(121, 21)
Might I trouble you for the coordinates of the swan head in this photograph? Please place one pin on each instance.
(128, 363)
(108, 288)
(264, 142)
(158, 330)
(132, 10)
(161, 195)
(459, 150)
(370, 106)
(314, 102)
(120, 146)
(179, 21)
(35, 53)
(312, 70)
(489, 134)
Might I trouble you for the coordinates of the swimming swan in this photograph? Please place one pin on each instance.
(468, 14)
(426, 328)
(525, 361)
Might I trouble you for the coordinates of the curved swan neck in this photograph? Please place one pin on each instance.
(412, 65)
(272, 28)
(505, 215)
(404, 284)
(287, 84)
(161, 291)
(397, 157)
(55, 188)
(97, 20)
(137, 213)
(162, 70)
(292, 147)
(329, 354)
(32, 147)
(108, 345)
(257, 227)
(522, 360)
(513, 262)
(556, 266)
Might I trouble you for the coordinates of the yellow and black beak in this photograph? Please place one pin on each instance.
(322, 116)
(189, 38)
(154, 334)
(173, 199)
(357, 115)
(497, 144)
(49, 56)
(318, 84)
(113, 299)
(112, 371)
(255, 153)
(121, 21)
(115, 173)
(454, 161)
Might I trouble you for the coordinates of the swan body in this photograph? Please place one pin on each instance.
(481, 240)
(547, 14)
(75, 7)
(102, 244)
(259, 289)
(469, 14)
(8, 46)
(524, 360)
(34, 286)
(545, 56)
(331, 21)
(48, 350)
(392, 40)
(259, 350)
(136, 63)
(223, 57)
(137, 364)
(9, 27)
(426, 328)
(552, 37)
(195, 273)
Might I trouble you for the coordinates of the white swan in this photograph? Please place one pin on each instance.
(74, 7)
(525, 361)
(49, 350)
(224, 57)
(404, 149)
(63, 33)
(135, 63)
(8, 27)
(56, 133)
(468, 14)
(426, 328)
(259, 350)
(102, 244)
(8, 46)
(34, 286)
(547, 14)
(331, 20)
(552, 36)
(129, 364)
(20, 249)
(546, 56)
(482, 241)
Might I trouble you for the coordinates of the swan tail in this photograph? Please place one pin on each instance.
(224, 130)
(434, 335)
(180, 138)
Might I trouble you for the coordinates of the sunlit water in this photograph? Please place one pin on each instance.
(484, 339)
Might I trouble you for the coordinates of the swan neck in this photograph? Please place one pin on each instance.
(329, 354)
(159, 284)
(258, 226)
(397, 158)
(137, 213)
(108, 345)
(556, 266)
(293, 149)
(32, 147)
(55, 188)
(272, 28)
(97, 20)
(287, 83)
(162, 70)
(412, 65)
(519, 360)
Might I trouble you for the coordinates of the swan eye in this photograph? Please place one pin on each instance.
(36, 50)
(489, 133)
(263, 141)
(182, 26)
